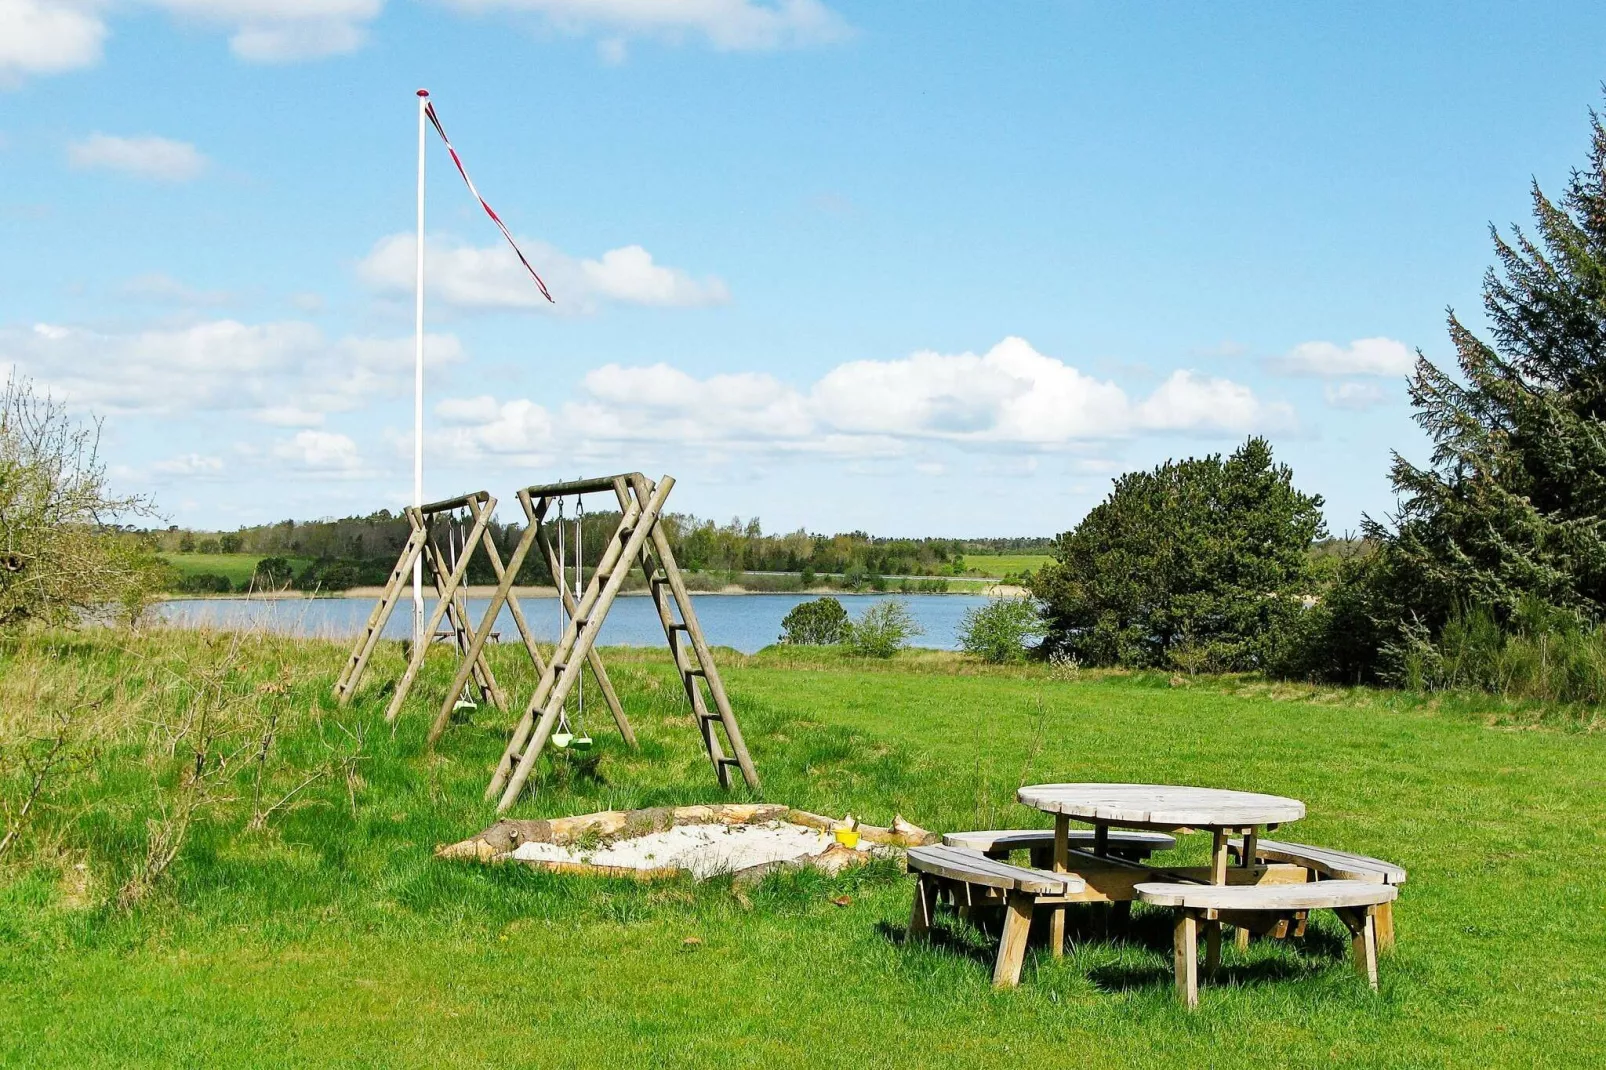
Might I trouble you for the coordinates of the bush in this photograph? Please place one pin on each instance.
(883, 630)
(1003, 631)
(205, 583)
(822, 622)
(272, 574)
(328, 575)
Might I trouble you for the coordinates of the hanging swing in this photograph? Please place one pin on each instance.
(456, 539)
(564, 735)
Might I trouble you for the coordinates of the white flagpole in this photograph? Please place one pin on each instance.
(418, 381)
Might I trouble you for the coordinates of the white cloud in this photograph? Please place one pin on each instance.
(285, 373)
(145, 157)
(727, 25)
(1364, 356)
(164, 289)
(192, 465)
(470, 277)
(47, 37)
(281, 31)
(320, 451)
(1011, 397)
(1353, 395)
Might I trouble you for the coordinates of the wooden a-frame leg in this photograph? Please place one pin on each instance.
(593, 659)
(1012, 948)
(1362, 925)
(924, 905)
(1185, 942)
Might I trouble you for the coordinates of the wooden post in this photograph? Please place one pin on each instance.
(1218, 875)
(1185, 942)
(1385, 926)
(1247, 860)
(374, 630)
(1362, 923)
(920, 914)
(1012, 948)
(1062, 864)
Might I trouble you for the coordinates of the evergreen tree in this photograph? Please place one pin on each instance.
(1201, 563)
(1513, 502)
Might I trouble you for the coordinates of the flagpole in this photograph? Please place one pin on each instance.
(418, 381)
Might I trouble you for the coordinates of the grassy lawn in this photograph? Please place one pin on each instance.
(237, 567)
(331, 936)
(1005, 564)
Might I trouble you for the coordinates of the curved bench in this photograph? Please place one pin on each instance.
(1019, 887)
(998, 843)
(1261, 905)
(1329, 864)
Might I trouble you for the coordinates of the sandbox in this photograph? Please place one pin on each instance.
(744, 840)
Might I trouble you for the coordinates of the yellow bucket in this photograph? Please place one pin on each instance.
(847, 837)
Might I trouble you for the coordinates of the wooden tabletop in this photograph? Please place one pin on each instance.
(1161, 804)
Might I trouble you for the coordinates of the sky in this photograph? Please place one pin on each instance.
(935, 269)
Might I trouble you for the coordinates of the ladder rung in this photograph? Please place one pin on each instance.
(680, 627)
(708, 716)
(660, 577)
(692, 670)
(729, 761)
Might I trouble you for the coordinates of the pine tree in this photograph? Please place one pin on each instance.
(1513, 503)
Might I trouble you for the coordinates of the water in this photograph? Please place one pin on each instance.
(746, 622)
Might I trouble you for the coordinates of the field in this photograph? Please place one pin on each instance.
(1005, 564)
(237, 567)
(329, 935)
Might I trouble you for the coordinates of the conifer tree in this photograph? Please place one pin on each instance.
(1513, 502)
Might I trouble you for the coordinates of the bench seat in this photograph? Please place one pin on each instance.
(1329, 864)
(998, 843)
(1259, 905)
(1018, 886)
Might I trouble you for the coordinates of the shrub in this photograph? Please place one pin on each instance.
(883, 630)
(1003, 631)
(822, 622)
(272, 574)
(205, 583)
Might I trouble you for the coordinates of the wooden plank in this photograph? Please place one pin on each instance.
(1012, 948)
(957, 864)
(1062, 856)
(920, 913)
(1266, 896)
(1160, 805)
(1120, 841)
(1329, 862)
(1108, 881)
(1185, 951)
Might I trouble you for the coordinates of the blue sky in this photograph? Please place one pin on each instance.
(915, 269)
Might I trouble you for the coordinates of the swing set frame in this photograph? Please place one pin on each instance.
(639, 540)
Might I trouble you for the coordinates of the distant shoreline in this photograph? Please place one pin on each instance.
(997, 590)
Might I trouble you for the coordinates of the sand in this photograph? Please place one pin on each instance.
(701, 850)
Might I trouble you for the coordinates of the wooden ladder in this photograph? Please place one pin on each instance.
(693, 659)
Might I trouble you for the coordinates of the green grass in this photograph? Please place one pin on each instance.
(1005, 564)
(237, 567)
(333, 937)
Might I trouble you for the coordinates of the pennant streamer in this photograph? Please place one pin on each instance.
(429, 110)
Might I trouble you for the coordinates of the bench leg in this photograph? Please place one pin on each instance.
(1186, 941)
(920, 915)
(1121, 914)
(1212, 947)
(1385, 927)
(1241, 939)
(1012, 948)
(1362, 925)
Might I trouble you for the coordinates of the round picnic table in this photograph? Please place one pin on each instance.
(1161, 808)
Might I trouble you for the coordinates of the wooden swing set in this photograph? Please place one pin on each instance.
(639, 539)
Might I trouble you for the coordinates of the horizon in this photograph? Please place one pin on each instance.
(828, 264)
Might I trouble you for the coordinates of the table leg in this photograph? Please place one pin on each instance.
(1062, 863)
(1218, 875)
(1246, 860)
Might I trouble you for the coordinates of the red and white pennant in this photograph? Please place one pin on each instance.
(429, 110)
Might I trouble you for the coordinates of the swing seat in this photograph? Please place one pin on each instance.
(581, 742)
(464, 703)
(561, 740)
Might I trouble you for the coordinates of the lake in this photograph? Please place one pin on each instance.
(747, 622)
